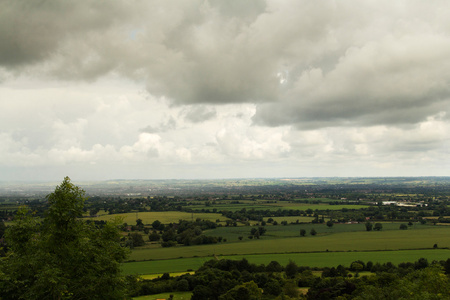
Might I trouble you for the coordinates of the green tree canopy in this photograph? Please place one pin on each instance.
(62, 257)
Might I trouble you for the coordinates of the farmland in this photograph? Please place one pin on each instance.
(339, 241)
(317, 259)
(177, 226)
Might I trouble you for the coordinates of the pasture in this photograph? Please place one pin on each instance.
(339, 241)
(282, 205)
(318, 259)
(163, 216)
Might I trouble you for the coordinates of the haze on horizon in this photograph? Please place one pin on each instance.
(223, 89)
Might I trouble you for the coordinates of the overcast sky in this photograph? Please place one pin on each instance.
(126, 89)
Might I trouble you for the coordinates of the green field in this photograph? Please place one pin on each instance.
(320, 259)
(340, 241)
(283, 205)
(164, 217)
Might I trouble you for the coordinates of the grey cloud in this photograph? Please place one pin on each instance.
(33, 31)
(200, 114)
(378, 62)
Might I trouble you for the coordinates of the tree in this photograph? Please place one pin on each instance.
(291, 269)
(403, 227)
(369, 226)
(330, 224)
(156, 225)
(62, 257)
(154, 236)
(313, 232)
(245, 291)
(2, 228)
(302, 232)
(137, 239)
(378, 226)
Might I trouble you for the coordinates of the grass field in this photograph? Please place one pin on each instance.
(283, 205)
(164, 217)
(293, 230)
(321, 259)
(339, 241)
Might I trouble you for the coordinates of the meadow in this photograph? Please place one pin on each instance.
(283, 205)
(341, 239)
(162, 216)
(318, 259)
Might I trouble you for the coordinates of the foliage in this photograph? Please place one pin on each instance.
(291, 269)
(378, 226)
(245, 291)
(62, 257)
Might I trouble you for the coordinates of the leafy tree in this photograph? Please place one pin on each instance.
(330, 224)
(291, 289)
(313, 232)
(302, 232)
(137, 239)
(378, 226)
(157, 225)
(154, 236)
(245, 291)
(275, 266)
(62, 257)
(139, 223)
(2, 228)
(272, 287)
(369, 226)
(403, 227)
(291, 269)
(261, 230)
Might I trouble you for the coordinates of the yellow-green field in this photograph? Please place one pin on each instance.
(318, 259)
(164, 217)
(340, 241)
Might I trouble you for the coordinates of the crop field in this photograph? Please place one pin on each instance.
(293, 230)
(319, 259)
(283, 205)
(233, 207)
(305, 206)
(340, 241)
(164, 217)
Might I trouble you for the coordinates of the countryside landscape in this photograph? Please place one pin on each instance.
(224, 150)
(174, 229)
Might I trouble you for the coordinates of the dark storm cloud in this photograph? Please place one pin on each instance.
(33, 31)
(303, 63)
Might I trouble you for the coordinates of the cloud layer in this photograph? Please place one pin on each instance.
(283, 88)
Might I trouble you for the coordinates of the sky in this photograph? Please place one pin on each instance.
(133, 89)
